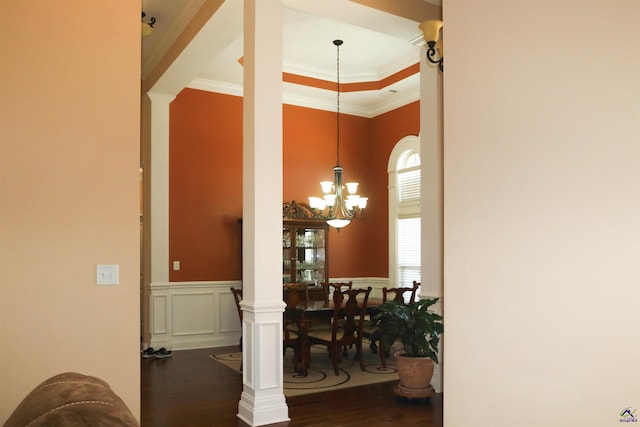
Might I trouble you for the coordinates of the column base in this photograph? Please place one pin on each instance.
(264, 411)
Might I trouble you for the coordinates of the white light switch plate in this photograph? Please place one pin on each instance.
(107, 274)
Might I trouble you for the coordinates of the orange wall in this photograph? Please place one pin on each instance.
(309, 157)
(205, 186)
(386, 130)
(206, 181)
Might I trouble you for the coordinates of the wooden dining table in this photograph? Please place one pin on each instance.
(306, 314)
(313, 307)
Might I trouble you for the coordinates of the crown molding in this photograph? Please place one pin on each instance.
(216, 87)
(290, 96)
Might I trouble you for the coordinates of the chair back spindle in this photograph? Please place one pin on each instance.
(331, 287)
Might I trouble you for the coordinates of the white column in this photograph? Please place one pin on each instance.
(431, 157)
(262, 401)
(156, 222)
(431, 152)
(158, 173)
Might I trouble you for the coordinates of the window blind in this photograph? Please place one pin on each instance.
(409, 185)
(408, 251)
(407, 213)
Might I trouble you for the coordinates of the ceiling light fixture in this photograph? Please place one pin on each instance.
(147, 27)
(336, 207)
(431, 33)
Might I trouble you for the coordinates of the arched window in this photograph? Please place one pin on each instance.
(404, 212)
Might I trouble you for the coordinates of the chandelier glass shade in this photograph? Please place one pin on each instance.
(337, 206)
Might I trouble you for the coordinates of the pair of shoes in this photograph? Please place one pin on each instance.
(150, 353)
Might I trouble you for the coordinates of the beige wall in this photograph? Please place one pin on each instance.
(69, 193)
(542, 214)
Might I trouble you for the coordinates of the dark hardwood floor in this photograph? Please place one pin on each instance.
(191, 390)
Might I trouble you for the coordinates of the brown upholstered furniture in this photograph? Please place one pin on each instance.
(72, 400)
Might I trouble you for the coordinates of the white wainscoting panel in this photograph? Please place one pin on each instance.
(159, 313)
(193, 313)
(187, 315)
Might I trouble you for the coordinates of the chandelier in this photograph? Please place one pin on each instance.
(336, 206)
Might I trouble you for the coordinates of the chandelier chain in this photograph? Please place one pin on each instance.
(338, 43)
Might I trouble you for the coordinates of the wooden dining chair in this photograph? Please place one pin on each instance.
(416, 286)
(295, 296)
(237, 297)
(329, 289)
(405, 296)
(350, 307)
(295, 336)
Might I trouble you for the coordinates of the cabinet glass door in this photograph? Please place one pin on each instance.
(310, 255)
(287, 257)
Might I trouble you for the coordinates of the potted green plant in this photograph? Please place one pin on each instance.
(419, 330)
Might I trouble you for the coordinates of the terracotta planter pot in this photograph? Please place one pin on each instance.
(415, 376)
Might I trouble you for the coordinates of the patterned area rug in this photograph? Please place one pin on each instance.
(321, 376)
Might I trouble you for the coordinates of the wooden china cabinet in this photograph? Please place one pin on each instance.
(305, 243)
